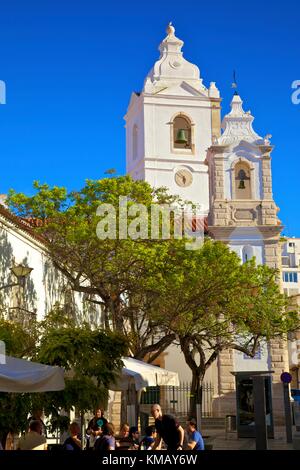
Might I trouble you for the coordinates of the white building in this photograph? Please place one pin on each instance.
(290, 260)
(44, 287)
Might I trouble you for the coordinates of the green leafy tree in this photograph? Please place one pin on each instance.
(122, 275)
(215, 303)
(90, 357)
(154, 291)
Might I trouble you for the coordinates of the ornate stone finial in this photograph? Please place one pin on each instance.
(237, 125)
(170, 29)
(171, 67)
(267, 139)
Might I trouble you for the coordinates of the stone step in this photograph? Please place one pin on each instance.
(213, 423)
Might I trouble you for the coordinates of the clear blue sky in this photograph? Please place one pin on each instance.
(71, 65)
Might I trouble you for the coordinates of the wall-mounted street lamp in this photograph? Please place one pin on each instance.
(21, 272)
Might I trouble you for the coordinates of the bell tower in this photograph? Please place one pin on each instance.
(243, 215)
(242, 210)
(170, 124)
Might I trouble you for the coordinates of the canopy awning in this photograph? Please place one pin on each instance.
(142, 375)
(19, 375)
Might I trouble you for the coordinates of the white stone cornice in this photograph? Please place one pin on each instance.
(225, 233)
(178, 98)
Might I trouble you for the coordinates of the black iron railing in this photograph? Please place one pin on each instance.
(177, 400)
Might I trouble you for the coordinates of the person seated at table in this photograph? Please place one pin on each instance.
(148, 441)
(73, 442)
(134, 437)
(195, 440)
(38, 415)
(123, 441)
(107, 441)
(33, 440)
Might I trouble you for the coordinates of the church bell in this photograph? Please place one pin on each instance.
(181, 137)
(242, 184)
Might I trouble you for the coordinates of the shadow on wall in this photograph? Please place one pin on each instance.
(30, 293)
(50, 281)
(28, 298)
(59, 292)
(56, 288)
(6, 262)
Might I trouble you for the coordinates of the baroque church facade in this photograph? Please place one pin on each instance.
(175, 138)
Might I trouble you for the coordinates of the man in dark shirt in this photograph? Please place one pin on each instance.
(168, 429)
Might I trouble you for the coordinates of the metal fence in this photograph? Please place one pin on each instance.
(176, 400)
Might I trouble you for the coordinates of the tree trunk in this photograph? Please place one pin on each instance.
(196, 393)
(106, 317)
(117, 319)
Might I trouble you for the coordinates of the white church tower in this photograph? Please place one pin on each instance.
(170, 125)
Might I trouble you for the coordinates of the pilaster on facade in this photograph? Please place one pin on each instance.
(224, 401)
(215, 115)
(273, 253)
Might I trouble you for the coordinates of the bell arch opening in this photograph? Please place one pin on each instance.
(182, 133)
(242, 181)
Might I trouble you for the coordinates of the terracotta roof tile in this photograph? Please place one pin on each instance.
(23, 224)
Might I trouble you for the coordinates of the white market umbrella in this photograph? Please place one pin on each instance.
(142, 375)
(19, 375)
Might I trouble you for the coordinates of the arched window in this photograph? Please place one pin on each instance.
(182, 133)
(247, 253)
(242, 180)
(135, 142)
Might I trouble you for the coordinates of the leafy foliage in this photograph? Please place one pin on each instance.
(91, 359)
(213, 302)
(153, 291)
(105, 270)
(19, 341)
